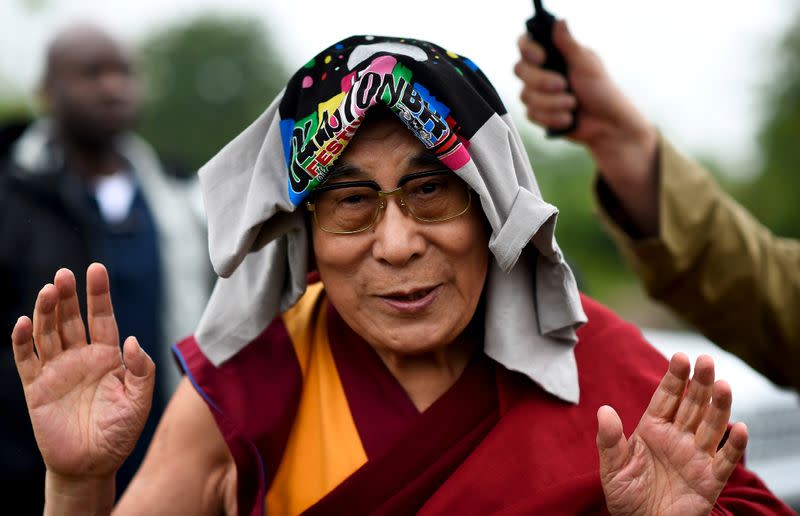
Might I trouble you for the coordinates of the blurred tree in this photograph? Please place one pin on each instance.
(206, 80)
(773, 197)
(15, 103)
(15, 114)
(14, 109)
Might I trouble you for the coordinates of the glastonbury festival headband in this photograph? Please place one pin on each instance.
(254, 187)
(327, 99)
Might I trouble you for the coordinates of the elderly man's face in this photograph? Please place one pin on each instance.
(405, 286)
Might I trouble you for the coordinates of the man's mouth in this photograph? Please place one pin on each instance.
(411, 301)
(413, 296)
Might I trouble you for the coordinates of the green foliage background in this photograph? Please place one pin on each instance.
(206, 80)
(773, 197)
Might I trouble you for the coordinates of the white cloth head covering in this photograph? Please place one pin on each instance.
(253, 187)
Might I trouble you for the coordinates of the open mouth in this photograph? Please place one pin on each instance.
(414, 296)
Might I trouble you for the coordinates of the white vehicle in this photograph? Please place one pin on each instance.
(772, 414)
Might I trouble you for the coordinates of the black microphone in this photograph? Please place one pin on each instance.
(540, 30)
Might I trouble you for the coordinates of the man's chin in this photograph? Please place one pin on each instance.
(412, 339)
(101, 138)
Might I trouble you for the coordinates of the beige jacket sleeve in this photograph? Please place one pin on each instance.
(716, 267)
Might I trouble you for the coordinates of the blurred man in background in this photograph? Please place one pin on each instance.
(695, 249)
(77, 186)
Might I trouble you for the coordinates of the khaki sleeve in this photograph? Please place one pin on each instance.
(716, 266)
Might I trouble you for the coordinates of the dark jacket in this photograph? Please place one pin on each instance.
(44, 225)
(49, 220)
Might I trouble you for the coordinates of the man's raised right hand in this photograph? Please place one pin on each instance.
(88, 402)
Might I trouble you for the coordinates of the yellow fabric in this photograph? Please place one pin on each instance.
(718, 268)
(323, 447)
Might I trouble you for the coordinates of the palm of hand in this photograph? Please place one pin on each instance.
(80, 413)
(87, 408)
(664, 474)
(670, 464)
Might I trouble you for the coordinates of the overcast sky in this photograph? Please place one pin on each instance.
(697, 68)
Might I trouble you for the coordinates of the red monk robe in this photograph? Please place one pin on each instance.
(318, 425)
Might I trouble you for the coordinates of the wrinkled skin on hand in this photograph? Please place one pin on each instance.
(671, 464)
(88, 402)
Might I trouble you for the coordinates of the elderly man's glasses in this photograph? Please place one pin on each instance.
(355, 206)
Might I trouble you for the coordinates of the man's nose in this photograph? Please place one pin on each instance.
(116, 85)
(398, 240)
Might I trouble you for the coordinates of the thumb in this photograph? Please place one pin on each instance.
(140, 371)
(611, 443)
(563, 40)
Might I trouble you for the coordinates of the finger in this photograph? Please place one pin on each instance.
(611, 443)
(550, 102)
(564, 42)
(551, 119)
(715, 423)
(664, 403)
(548, 110)
(70, 323)
(538, 79)
(102, 325)
(139, 372)
(531, 51)
(45, 326)
(27, 362)
(695, 403)
(729, 455)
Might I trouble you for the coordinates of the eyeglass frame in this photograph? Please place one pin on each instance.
(382, 196)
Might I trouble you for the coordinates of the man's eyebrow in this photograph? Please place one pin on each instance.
(346, 170)
(425, 159)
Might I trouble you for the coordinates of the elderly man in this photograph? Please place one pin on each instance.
(78, 186)
(394, 331)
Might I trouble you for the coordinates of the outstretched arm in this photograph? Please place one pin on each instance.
(188, 468)
(622, 142)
